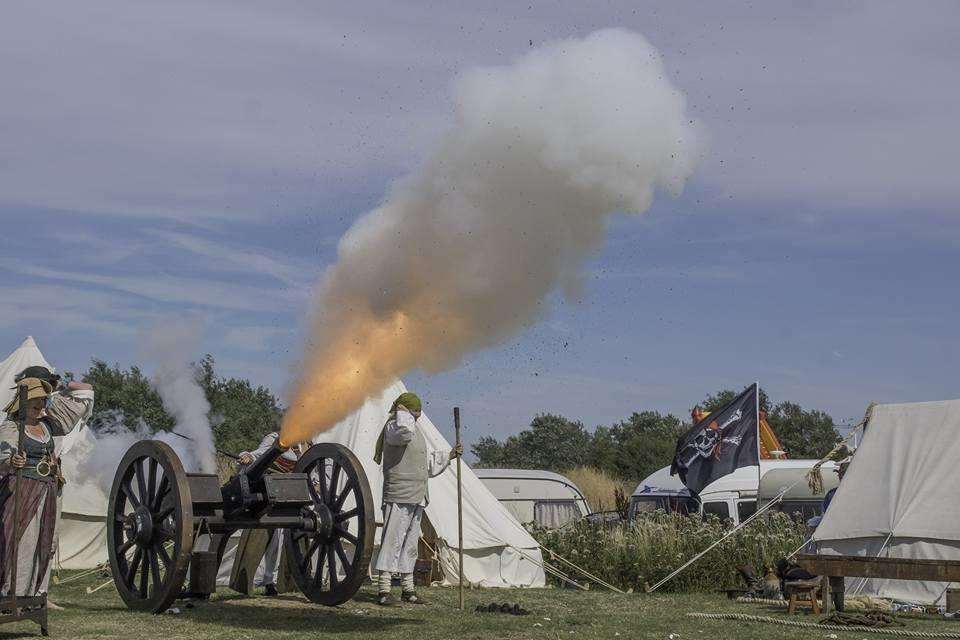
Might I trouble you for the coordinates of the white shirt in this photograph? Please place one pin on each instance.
(400, 432)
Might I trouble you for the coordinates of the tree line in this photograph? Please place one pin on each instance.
(634, 448)
(241, 414)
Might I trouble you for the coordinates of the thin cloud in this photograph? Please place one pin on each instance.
(239, 260)
(168, 289)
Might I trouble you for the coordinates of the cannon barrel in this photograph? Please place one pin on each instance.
(256, 469)
(245, 491)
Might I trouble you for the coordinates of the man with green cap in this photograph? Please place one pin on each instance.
(408, 464)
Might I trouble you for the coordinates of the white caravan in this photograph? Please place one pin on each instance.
(545, 498)
(734, 496)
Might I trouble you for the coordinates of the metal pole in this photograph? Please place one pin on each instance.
(15, 546)
(757, 415)
(456, 425)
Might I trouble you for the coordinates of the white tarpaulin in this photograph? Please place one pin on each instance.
(494, 542)
(897, 499)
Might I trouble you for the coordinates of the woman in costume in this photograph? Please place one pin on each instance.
(40, 478)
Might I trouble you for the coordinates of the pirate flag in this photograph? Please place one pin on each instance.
(719, 444)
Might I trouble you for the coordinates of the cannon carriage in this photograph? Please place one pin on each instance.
(166, 527)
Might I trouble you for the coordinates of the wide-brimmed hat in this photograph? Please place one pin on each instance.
(39, 371)
(36, 388)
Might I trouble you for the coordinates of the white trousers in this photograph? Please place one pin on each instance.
(270, 565)
(400, 538)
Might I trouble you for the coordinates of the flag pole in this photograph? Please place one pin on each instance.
(456, 425)
(759, 474)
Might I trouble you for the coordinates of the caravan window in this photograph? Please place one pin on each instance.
(719, 509)
(553, 514)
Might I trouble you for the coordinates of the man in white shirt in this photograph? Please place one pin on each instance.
(407, 466)
(271, 556)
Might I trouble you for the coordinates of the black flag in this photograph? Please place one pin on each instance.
(719, 444)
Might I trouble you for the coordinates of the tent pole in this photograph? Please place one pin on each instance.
(456, 425)
(15, 546)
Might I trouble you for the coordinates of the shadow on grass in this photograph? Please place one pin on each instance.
(243, 612)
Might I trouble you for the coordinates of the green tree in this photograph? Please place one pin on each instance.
(717, 401)
(803, 433)
(489, 453)
(552, 442)
(603, 450)
(645, 442)
(125, 395)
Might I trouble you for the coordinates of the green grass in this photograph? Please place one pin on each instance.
(572, 615)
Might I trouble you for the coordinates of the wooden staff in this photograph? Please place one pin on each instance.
(22, 391)
(456, 425)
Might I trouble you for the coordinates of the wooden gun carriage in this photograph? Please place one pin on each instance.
(164, 523)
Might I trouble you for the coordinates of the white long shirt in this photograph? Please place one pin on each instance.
(400, 432)
(266, 443)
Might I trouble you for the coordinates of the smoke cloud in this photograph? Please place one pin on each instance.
(171, 346)
(462, 254)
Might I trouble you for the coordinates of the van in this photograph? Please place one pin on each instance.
(734, 497)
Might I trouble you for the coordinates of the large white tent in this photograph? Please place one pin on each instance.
(498, 551)
(897, 499)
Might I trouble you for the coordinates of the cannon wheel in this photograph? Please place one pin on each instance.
(150, 527)
(343, 506)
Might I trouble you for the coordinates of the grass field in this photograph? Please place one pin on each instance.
(555, 614)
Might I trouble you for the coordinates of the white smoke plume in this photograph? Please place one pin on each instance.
(462, 254)
(170, 346)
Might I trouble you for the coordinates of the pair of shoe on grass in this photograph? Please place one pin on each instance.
(386, 599)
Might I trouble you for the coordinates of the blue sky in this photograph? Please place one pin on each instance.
(202, 159)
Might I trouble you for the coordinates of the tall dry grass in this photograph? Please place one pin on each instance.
(599, 487)
(648, 549)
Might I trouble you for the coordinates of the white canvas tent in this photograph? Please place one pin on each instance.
(81, 533)
(498, 551)
(897, 499)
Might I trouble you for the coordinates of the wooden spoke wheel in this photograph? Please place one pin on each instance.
(150, 527)
(330, 562)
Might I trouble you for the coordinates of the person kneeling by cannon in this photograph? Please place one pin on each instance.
(284, 464)
(407, 467)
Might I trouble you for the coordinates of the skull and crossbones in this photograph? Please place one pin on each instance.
(709, 442)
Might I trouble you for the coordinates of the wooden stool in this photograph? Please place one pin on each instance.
(802, 592)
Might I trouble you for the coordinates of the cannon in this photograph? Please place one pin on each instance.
(163, 523)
